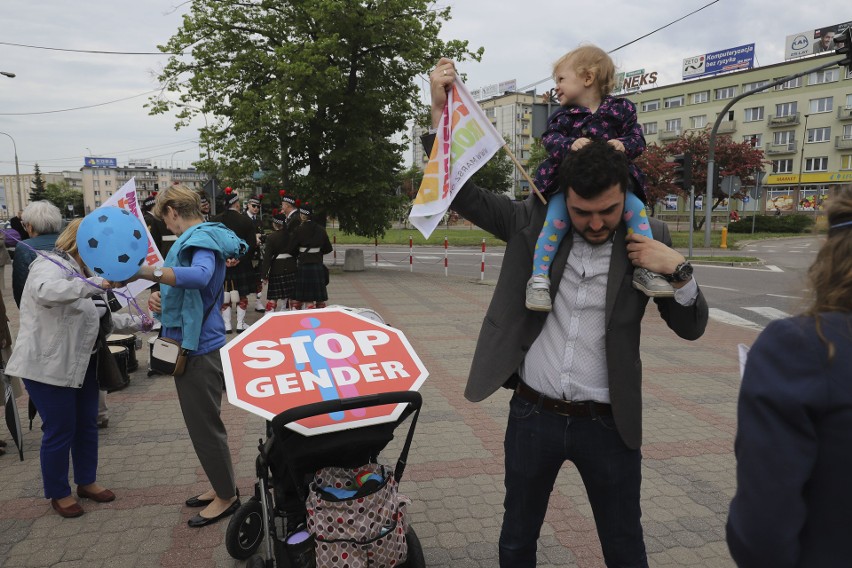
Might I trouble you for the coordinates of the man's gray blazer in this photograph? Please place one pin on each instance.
(509, 328)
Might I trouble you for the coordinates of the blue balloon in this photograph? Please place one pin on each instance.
(113, 243)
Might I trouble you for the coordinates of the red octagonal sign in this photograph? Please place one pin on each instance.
(290, 359)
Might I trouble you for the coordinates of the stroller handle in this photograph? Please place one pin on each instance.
(328, 406)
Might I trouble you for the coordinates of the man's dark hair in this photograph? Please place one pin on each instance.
(593, 169)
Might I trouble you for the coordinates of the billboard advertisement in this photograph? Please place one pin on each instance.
(494, 89)
(100, 162)
(716, 62)
(812, 42)
(632, 81)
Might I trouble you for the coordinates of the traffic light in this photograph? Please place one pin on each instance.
(844, 47)
(683, 171)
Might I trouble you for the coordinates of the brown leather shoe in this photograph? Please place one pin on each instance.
(104, 496)
(68, 512)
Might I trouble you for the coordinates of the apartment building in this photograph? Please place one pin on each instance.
(99, 183)
(804, 126)
(15, 190)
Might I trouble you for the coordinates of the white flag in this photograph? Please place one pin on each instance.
(465, 141)
(125, 198)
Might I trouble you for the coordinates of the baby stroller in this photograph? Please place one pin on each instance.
(324, 501)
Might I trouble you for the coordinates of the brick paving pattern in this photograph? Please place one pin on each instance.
(454, 475)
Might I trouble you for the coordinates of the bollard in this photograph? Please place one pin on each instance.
(724, 243)
(353, 260)
(376, 248)
(334, 249)
(410, 254)
(446, 244)
(482, 266)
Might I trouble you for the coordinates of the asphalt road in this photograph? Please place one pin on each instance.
(747, 296)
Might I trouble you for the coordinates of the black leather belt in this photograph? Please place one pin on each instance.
(563, 407)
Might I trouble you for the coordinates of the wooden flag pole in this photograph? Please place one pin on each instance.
(524, 173)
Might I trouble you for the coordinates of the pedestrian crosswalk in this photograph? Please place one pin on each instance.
(751, 317)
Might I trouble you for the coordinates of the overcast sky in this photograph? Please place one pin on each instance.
(521, 40)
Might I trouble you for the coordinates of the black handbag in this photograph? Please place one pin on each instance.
(110, 377)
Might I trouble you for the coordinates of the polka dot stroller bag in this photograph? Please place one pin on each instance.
(365, 530)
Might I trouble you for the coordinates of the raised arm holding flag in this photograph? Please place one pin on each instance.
(464, 142)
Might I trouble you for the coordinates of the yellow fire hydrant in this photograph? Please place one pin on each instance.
(724, 243)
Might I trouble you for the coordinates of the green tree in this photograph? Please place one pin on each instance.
(496, 174)
(37, 191)
(538, 154)
(314, 90)
(61, 195)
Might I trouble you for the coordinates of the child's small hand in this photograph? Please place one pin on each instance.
(579, 143)
(616, 144)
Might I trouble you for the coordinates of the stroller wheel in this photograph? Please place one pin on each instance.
(415, 551)
(245, 530)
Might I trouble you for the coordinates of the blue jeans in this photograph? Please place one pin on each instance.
(68, 424)
(537, 444)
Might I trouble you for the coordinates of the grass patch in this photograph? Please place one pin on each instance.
(469, 237)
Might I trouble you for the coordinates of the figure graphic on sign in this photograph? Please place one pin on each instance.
(824, 43)
(584, 79)
(318, 362)
(347, 391)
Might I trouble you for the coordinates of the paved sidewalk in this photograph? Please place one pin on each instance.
(455, 472)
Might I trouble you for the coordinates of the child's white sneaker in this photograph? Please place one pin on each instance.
(652, 284)
(538, 294)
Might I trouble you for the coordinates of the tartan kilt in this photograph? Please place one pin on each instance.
(281, 286)
(240, 278)
(310, 283)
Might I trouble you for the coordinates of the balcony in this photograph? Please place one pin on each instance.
(843, 142)
(670, 134)
(844, 113)
(786, 120)
(727, 126)
(788, 148)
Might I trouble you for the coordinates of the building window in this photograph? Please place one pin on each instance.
(782, 166)
(825, 104)
(816, 164)
(698, 98)
(753, 114)
(673, 125)
(784, 137)
(107, 182)
(673, 102)
(756, 140)
(847, 132)
(822, 134)
(849, 101)
(846, 162)
(698, 121)
(97, 193)
(748, 87)
(791, 84)
(726, 93)
(824, 76)
(648, 106)
(649, 127)
(787, 109)
(97, 203)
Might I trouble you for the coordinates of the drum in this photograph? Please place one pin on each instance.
(128, 341)
(120, 354)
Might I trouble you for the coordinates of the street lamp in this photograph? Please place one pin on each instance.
(17, 171)
(172, 159)
(802, 162)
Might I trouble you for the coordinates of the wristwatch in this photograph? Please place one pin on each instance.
(158, 273)
(682, 273)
